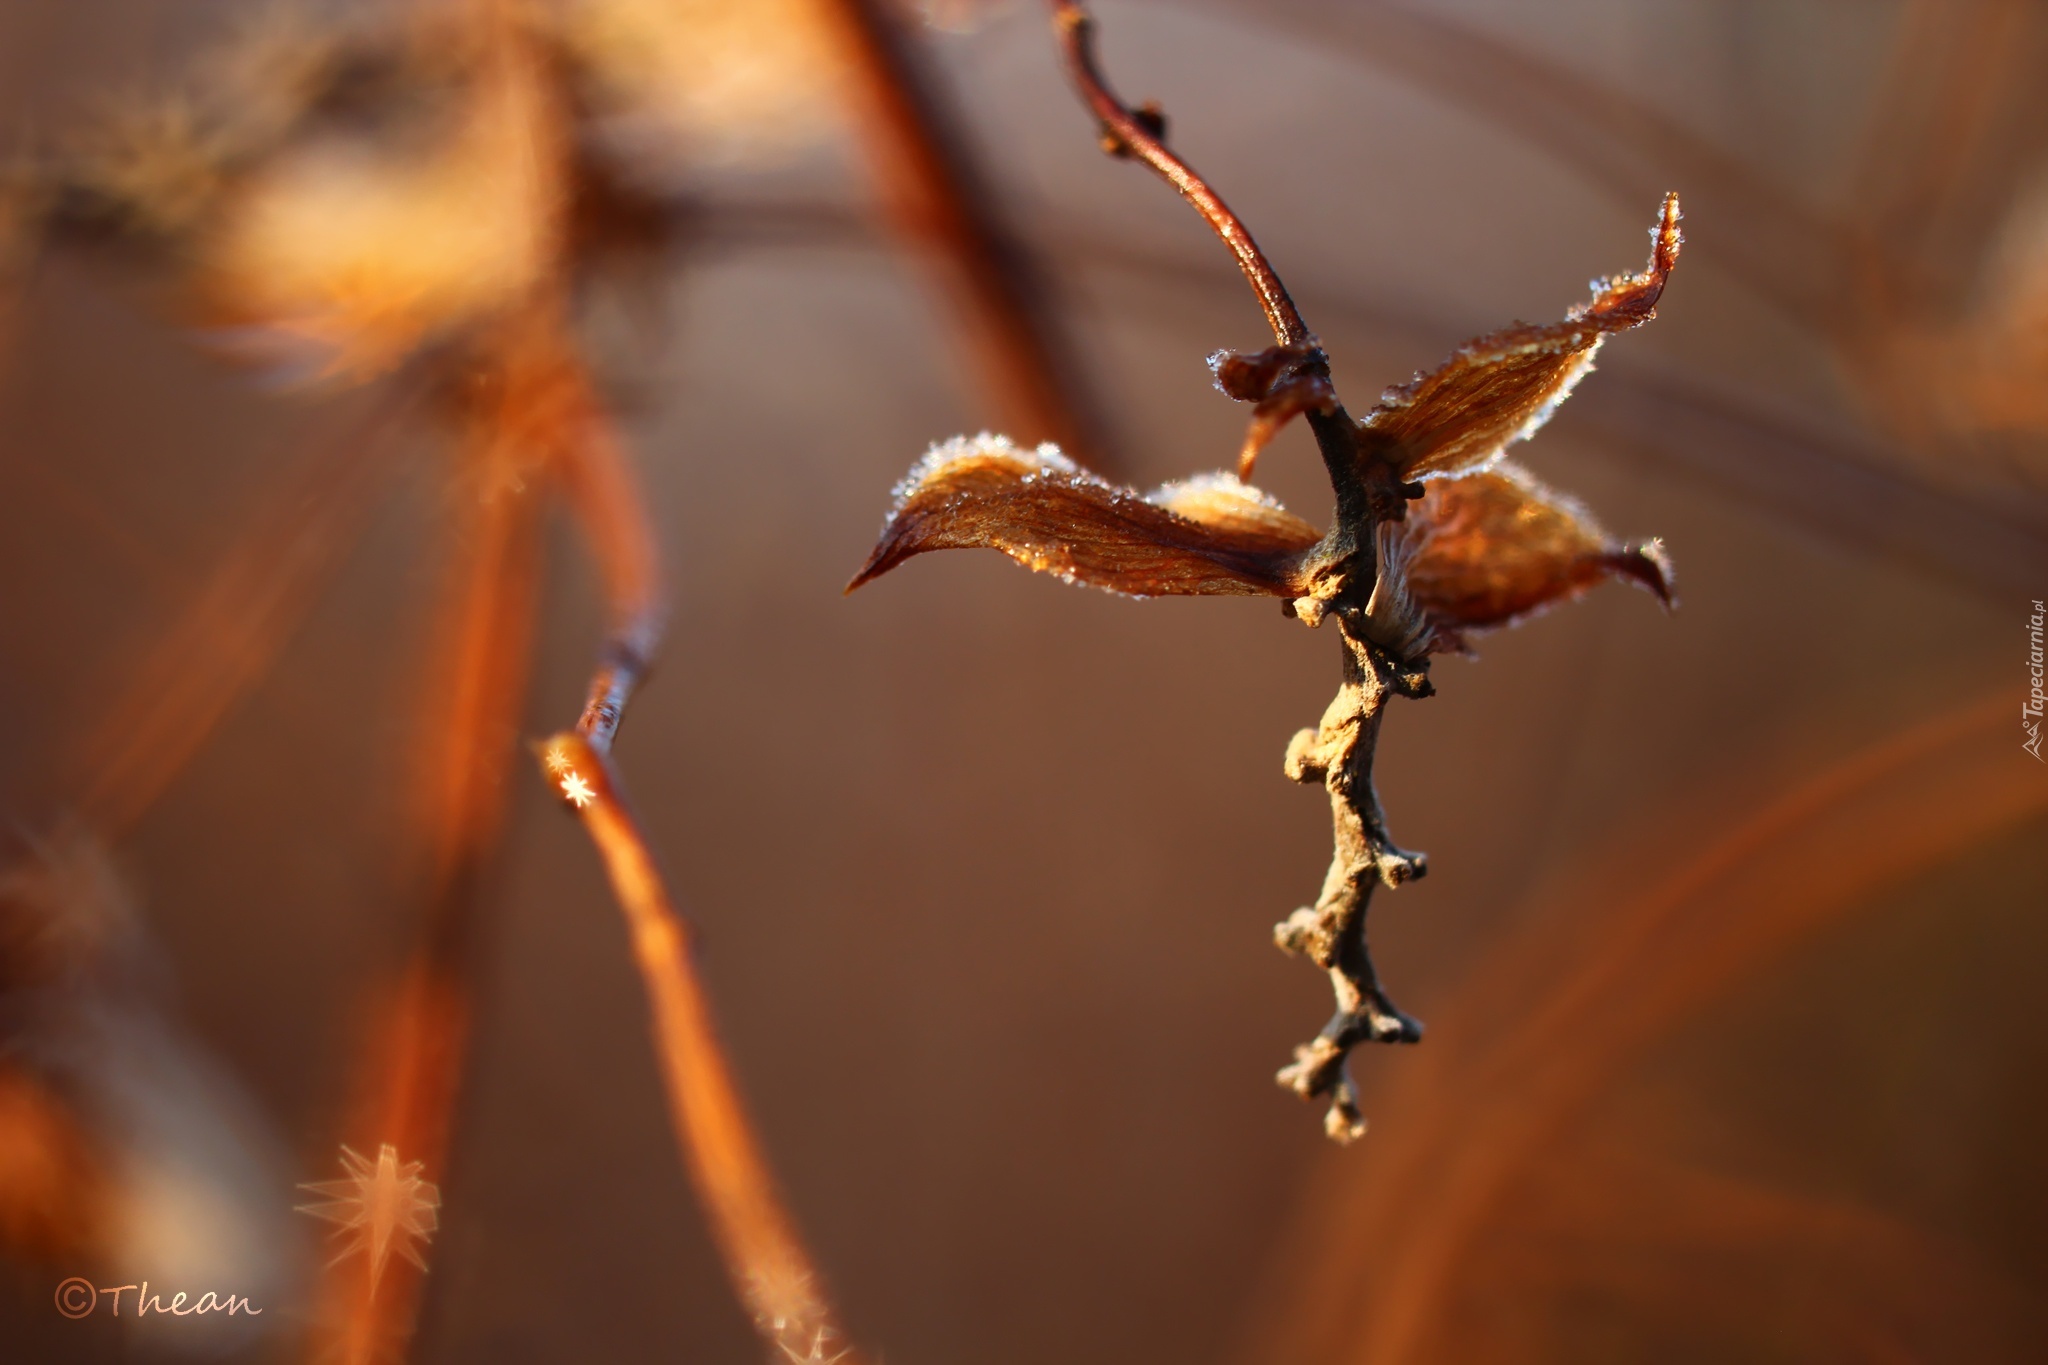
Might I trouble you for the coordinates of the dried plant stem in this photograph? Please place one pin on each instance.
(1338, 754)
(943, 204)
(413, 1078)
(1126, 133)
(1354, 583)
(530, 414)
(1527, 1046)
(605, 495)
(774, 1273)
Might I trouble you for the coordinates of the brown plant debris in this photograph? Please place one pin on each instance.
(1434, 537)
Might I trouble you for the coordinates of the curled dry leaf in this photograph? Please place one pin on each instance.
(1500, 388)
(1491, 548)
(1211, 535)
(1284, 381)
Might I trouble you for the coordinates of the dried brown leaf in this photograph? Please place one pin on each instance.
(1211, 535)
(1499, 388)
(1248, 376)
(1284, 381)
(1492, 547)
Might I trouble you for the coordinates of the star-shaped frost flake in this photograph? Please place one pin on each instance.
(384, 1205)
(576, 791)
(819, 1350)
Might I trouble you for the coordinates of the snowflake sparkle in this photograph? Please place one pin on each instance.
(577, 790)
(383, 1203)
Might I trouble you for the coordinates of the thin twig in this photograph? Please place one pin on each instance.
(771, 1269)
(774, 1273)
(1128, 134)
(606, 497)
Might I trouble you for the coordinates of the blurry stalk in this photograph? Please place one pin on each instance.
(240, 621)
(943, 205)
(536, 418)
(1704, 1247)
(774, 1273)
(1927, 174)
(514, 386)
(414, 1075)
(527, 414)
(1546, 1026)
(611, 511)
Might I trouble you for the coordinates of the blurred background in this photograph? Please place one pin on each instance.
(1732, 946)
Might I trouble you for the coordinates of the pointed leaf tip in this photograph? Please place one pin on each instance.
(1648, 565)
(1502, 387)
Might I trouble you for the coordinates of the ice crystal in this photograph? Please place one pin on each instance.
(383, 1206)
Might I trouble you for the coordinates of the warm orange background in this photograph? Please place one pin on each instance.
(986, 866)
